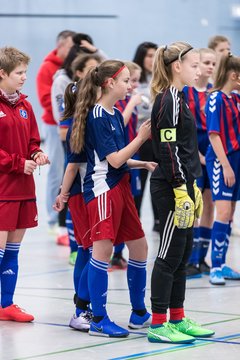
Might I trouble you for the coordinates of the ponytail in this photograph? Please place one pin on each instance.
(87, 97)
(162, 69)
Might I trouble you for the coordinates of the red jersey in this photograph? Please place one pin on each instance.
(44, 83)
(19, 139)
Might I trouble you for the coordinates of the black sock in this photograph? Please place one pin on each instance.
(97, 319)
(140, 312)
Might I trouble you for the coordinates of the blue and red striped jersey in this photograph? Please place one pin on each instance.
(196, 101)
(131, 128)
(222, 112)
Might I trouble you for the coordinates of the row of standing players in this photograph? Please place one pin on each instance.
(178, 62)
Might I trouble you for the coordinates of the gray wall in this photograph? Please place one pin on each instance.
(117, 26)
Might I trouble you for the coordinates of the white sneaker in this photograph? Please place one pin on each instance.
(81, 322)
(216, 277)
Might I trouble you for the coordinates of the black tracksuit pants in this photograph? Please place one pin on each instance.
(168, 280)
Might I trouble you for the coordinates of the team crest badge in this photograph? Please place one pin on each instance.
(23, 113)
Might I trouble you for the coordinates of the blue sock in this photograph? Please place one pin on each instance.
(219, 234)
(194, 258)
(9, 273)
(136, 276)
(83, 291)
(98, 286)
(118, 249)
(205, 235)
(70, 230)
(81, 261)
(2, 251)
(229, 230)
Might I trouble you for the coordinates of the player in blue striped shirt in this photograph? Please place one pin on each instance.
(99, 127)
(196, 98)
(223, 161)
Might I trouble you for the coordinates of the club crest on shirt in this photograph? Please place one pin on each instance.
(23, 113)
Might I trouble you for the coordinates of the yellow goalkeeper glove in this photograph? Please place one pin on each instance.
(198, 201)
(184, 208)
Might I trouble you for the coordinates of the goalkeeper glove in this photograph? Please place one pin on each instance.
(184, 208)
(198, 201)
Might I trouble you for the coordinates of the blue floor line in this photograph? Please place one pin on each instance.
(183, 346)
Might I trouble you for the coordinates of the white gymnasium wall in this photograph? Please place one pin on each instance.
(117, 26)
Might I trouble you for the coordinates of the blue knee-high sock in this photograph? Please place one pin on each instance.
(204, 238)
(98, 285)
(83, 292)
(194, 258)
(136, 276)
(2, 251)
(219, 234)
(118, 249)
(229, 231)
(81, 261)
(70, 230)
(9, 273)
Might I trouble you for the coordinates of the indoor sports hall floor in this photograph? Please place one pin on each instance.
(45, 289)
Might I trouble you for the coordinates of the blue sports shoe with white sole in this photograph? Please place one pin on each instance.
(230, 274)
(107, 328)
(139, 322)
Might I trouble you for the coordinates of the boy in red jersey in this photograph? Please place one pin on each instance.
(19, 156)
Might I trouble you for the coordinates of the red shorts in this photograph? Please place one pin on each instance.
(113, 215)
(80, 221)
(18, 215)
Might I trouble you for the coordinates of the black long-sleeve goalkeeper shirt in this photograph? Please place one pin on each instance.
(174, 139)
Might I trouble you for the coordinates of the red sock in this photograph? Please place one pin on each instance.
(158, 319)
(176, 314)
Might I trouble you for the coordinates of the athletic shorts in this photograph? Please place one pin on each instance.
(203, 181)
(218, 188)
(113, 215)
(18, 215)
(80, 221)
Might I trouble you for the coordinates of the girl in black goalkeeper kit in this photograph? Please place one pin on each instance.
(174, 191)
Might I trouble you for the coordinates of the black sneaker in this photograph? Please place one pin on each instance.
(192, 272)
(117, 263)
(204, 268)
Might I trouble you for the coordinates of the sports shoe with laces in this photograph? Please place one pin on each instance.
(190, 327)
(81, 322)
(216, 277)
(167, 333)
(192, 272)
(15, 313)
(230, 274)
(117, 263)
(204, 267)
(139, 322)
(107, 328)
(72, 258)
(62, 240)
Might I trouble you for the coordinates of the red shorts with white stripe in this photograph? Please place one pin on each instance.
(80, 221)
(18, 215)
(113, 215)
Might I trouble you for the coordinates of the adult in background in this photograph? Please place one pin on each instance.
(52, 62)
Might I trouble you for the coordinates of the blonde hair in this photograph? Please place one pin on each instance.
(87, 97)
(162, 69)
(11, 57)
(132, 66)
(203, 51)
